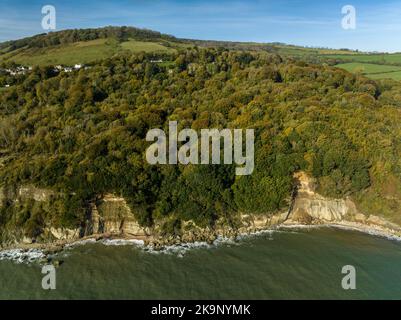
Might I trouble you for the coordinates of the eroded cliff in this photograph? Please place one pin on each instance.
(309, 207)
(110, 216)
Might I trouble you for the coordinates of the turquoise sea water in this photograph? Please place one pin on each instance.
(303, 264)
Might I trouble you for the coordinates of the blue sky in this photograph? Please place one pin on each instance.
(310, 23)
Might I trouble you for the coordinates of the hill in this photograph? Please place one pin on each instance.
(84, 46)
(71, 47)
(81, 136)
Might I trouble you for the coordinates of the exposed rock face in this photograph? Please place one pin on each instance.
(97, 223)
(321, 209)
(312, 208)
(375, 220)
(111, 215)
(31, 192)
(64, 233)
(361, 218)
(114, 216)
(261, 221)
(309, 204)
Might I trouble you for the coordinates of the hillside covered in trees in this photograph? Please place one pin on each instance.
(91, 45)
(82, 135)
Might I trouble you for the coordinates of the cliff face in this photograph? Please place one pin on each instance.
(310, 205)
(311, 208)
(23, 193)
(112, 216)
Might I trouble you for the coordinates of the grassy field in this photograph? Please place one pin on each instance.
(80, 52)
(301, 51)
(374, 71)
(139, 46)
(374, 66)
(393, 75)
(347, 55)
(368, 68)
(373, 58)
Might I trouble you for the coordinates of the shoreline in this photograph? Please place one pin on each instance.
(45, 252)
(372, 230)
(307, 209)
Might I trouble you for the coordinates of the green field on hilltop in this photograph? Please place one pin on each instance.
(80, 52)
(368, 68)
(139, 46)
(374, 71)
(302, 51)
(394, 58)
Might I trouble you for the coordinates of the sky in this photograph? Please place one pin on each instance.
(315, 23)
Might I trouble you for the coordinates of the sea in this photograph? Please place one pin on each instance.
(300, 263)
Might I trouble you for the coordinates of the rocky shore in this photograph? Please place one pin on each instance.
(306, 209)
(47, 252)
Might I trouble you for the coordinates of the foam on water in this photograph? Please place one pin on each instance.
(79, 243)
(260, 269)
(34, 255)
(372, 232)
(122, 242)
(22, 256)
(177, 249)
(181, 249)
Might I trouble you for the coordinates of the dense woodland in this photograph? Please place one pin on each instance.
(82, 134)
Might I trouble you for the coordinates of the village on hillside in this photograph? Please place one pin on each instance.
(23, 70)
